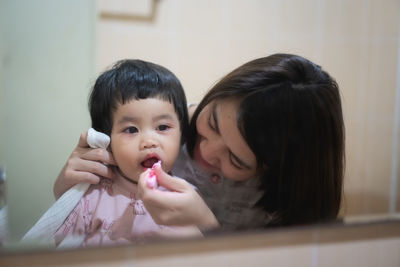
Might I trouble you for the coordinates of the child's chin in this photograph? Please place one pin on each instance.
(129, 177)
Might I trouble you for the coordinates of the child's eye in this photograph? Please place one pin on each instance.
(163, 127)
(131, 130)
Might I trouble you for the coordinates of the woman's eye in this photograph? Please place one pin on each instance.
(131, 130)
(237, 166)
(210, 124)
(163, 127)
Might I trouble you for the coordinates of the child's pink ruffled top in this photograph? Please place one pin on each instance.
(109, 213)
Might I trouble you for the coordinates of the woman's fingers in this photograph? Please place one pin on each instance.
(84, 165)
(88, 168)
(90, 164)
(181, 205)
(78, 170)
(160, 198)
(167, 181)
(143, 189)
(155, 201)
(96, 154)
(164, 207)
(83, 140)
(84, 177)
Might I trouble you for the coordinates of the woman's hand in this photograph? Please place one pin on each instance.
(180, 206)
(84, 165)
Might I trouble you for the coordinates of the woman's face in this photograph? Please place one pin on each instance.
(220, 147)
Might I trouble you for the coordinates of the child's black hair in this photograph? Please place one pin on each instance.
(133, 79)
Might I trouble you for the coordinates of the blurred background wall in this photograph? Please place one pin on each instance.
(356, 41)
(47, 64)
(52, 51)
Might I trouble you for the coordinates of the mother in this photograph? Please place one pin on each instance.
(265, 148)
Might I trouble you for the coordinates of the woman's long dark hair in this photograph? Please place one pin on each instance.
(291, 117)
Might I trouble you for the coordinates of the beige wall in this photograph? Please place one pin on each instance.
(356, 41)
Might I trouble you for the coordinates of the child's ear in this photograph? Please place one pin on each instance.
(110, 150)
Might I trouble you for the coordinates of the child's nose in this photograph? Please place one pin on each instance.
(148, 142)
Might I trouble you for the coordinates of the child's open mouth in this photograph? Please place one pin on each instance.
(148, 163)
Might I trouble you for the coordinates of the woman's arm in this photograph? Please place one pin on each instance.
(182, 205)
(84, 165)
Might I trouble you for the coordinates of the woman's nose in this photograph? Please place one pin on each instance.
(213, 150)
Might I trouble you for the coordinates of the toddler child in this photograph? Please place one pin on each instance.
(142, 107)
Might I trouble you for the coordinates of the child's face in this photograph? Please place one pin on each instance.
(143, 132)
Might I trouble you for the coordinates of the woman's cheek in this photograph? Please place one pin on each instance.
(200, 123)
